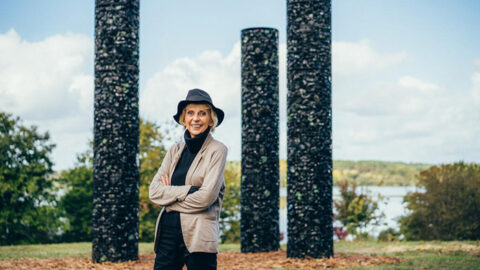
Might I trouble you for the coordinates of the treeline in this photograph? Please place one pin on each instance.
(377, 173)
(369, 173)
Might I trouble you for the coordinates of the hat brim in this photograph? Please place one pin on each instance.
(182, 104)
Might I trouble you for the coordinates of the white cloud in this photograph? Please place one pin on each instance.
(50, 84)
(406, 96)
(409, 120)
(379, 114)
(359, 58)
(217, 74)
(411, 82)
(405, 118)
(220, 76)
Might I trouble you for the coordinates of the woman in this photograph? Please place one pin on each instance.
(190, 186)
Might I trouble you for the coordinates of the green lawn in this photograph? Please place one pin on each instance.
(71, 250)
(419, 254)
(416, 255)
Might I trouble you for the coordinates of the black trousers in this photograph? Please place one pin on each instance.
(172, 254)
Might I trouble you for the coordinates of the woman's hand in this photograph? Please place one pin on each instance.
(165, 180)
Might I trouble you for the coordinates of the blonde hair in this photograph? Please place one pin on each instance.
(213, 115)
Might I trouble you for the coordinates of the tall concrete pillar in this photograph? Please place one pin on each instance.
(260, 141)
(116, 131)
(309, 135)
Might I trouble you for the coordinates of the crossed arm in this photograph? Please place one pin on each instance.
(162, 194)
(175, 197)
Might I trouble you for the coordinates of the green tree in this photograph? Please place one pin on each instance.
(230, 214)
(76, 205)
(152, 152)
(449, 207)
(27, 201)
(356, 211)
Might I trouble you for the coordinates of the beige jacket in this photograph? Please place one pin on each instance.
(199, 211)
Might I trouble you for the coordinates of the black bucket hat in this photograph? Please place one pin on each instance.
(198, 96)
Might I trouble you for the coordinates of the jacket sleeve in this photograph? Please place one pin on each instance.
(164, 195)
(208, 192)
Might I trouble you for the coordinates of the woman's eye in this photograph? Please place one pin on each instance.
(203, 113)
(190, 112)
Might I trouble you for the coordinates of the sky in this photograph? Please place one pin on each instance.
(406, 74)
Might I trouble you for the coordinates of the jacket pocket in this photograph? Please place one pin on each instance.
(209, 231)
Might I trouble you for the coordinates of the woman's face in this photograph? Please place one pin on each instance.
(197, 118)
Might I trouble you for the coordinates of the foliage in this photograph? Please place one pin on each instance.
(449, 209)
(76, 205)
(27, 212)
(356, 210)
(152, 152)
(389, 235)
(230, 214)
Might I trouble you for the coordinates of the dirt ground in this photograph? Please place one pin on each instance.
(226, 260)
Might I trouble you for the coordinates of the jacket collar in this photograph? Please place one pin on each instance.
(205, 143)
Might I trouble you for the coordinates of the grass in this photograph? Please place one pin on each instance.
(419, 254)
(416, 255)
(83, 249)
(46, 250)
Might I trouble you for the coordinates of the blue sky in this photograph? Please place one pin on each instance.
(406, 74)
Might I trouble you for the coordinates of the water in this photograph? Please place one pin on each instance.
(392, 206)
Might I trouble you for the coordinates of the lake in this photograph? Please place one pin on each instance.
(392, 206)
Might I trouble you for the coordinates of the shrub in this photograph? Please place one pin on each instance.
(230, 214)
(388, 235)
(356, 210)
(340, 232)
(449, 209)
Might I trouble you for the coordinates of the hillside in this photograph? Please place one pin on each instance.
(377, 173)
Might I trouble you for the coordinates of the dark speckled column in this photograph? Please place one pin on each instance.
(260, 141)
(309, 136)
(116, 131)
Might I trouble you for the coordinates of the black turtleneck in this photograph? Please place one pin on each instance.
(193, 145)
